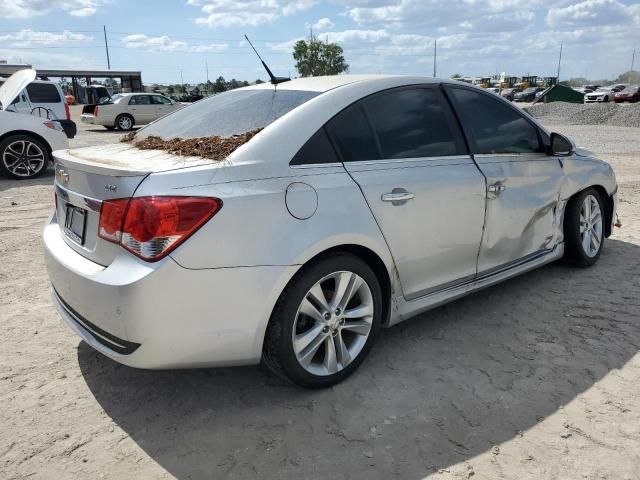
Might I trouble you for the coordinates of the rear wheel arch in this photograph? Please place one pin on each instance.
(28, 134)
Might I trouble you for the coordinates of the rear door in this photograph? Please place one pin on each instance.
(523, 182)
(404, 150)
(142, 109)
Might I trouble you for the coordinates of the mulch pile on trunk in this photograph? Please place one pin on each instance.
(214, 148)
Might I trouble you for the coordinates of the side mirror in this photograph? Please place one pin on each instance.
(561, 146)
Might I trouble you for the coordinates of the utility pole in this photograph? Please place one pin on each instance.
(633, 59)
(106, 46)
(559, 60)
(206, 66)
(435, 56)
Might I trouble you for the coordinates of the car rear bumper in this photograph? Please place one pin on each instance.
(89, 118)
(161, 315)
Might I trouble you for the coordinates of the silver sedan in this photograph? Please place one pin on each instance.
(362, 202)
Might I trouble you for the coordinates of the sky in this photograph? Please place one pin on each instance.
(167, 39)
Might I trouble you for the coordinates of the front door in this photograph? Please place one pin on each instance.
(404, 149)
(163, 105)
(523, 183)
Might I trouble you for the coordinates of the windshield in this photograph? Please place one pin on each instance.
(229, 113)
(106, 100)
(531, 90)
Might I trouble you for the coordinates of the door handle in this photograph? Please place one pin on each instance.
(397, 196)
(496, 188)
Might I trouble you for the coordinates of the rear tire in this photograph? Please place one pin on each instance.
(23, 157)
(317, 338)
(584, 228)
(124, 122)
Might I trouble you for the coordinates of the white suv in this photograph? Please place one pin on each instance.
(44, 98)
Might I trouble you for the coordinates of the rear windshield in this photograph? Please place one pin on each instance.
(229, 113)
(43, 93)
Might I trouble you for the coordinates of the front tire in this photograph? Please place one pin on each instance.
(584, 228)
(325, 322)
(23, 157)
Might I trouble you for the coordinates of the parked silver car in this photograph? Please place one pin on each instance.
(126, 110)
(363, 202)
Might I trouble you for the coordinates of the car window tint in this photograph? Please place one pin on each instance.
(161, 100)
(353, 136)
(43, 93)
(413, 124)
(228, 113)
(140, 100)
(318, 149)
(492, 127)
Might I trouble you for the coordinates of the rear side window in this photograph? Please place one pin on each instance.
(43, 93)
(318, 149)
(352, 135)
(492, 127)
(414, 123)
(140, 100)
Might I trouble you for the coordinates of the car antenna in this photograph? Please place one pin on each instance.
(274, 80)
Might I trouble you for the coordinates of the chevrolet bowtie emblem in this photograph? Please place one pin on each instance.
(63, 176)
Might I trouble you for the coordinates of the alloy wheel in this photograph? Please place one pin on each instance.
(333, 323)
(125, 123)
(23, 158)
(591, 226)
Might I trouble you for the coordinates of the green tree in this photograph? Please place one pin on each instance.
(314, 58)
(258, 81)
(220, 85)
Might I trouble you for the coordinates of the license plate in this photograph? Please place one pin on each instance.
(74, 223)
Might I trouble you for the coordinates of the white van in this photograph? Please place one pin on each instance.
(44, 98)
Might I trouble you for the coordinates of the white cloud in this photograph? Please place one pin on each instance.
(165, 44)
(593, 13)
(323, 24)
(30, 38)
(238, 13)
(33, 8)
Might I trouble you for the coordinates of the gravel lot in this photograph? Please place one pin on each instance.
(536, 378)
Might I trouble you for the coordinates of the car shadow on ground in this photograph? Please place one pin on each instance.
(436, 390)
(45, 179)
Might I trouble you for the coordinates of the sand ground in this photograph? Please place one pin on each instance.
(537, 378)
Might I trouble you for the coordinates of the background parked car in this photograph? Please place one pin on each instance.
(629, 94)
(45, 98)
(26, 141)
(527, 95)
(126, 110)
(509, 93)
(602, 94)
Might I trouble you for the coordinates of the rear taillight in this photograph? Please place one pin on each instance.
(151, 227)
(66, 110)
(95, 111)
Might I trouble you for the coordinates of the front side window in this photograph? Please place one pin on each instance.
(43, 93)
(493, 127)
(160, 100)
(413, 123)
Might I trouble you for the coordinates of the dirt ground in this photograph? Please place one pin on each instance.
(537, 378)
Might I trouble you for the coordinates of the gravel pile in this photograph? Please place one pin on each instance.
(214, 148)
(622, 115)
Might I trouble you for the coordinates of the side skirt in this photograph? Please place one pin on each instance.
(409, 308)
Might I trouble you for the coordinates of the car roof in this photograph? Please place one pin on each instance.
(324, 84)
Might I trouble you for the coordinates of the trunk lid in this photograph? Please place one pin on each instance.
(87, 176)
